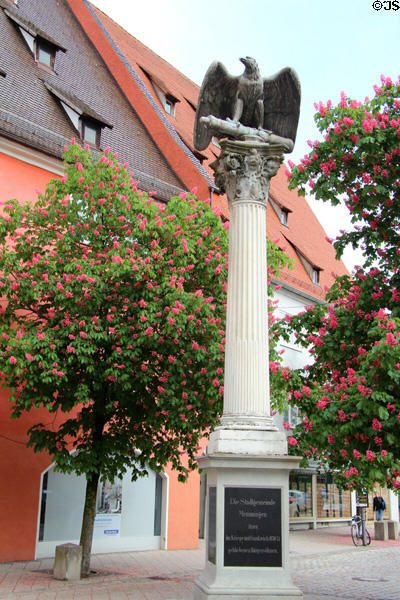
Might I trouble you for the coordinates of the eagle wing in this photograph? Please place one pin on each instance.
(217, 96)
(282, 103)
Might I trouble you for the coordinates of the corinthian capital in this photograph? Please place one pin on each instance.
(244, 169)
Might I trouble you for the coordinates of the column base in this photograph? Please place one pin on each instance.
(248, 442)
(243, 421)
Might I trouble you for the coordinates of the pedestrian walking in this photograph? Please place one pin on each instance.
(379, 506)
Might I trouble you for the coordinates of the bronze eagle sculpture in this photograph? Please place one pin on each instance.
(269, 103)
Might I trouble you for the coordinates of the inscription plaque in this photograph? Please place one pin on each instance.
(212, 524)
(252, 534)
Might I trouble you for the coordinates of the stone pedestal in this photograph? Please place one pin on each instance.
(393, 530)
(381, 530)
(67, 562)
(247, 529)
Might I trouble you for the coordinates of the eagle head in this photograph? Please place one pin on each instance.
(251, 66)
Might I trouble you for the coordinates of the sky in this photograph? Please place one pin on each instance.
(332, 45)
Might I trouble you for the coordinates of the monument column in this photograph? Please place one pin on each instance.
(247, 463)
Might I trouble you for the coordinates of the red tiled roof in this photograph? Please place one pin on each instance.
(304, 230)
(143, 60)
(306, 233)
(190, 172)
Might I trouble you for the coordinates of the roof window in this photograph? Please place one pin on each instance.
(90, 131)
(169, 107)
(312, 270)
(42, 46)
(45, 53)
(85, 120)
(315, 275)
(281, 211)
(168, 100)
(283, 217)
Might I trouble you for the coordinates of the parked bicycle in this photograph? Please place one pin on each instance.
(357, 525)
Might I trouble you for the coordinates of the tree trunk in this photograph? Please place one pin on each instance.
(89, 513)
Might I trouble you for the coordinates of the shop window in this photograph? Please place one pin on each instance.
(128, 513)
(43, 506)
(332, 501)
(109, 497)
(300, 495)
(158, 505)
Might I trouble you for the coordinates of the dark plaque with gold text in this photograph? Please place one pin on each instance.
(252, 535)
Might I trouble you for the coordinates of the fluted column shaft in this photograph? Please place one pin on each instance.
(246, 351)
(244, 170)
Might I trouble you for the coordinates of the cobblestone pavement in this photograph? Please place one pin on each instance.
(325, 566)
(359, 574)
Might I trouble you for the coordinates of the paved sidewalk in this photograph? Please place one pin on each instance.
(325, 566)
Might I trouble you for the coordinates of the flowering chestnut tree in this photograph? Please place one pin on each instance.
(349, 396)
(112, 318)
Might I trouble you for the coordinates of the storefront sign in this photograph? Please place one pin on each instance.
(362, 499)
(107, 525)
(252, 535)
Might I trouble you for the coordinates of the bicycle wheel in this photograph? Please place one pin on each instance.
(355, 535)
(368, 537)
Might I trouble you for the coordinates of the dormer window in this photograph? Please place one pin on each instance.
(85, 120)
(283, 217)
(90, 131)
(281, 212)
(312, 270)
(45, 53)
(315, 275)
(88, 128)
(168, 100)
(169, 107)
(43, 47)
